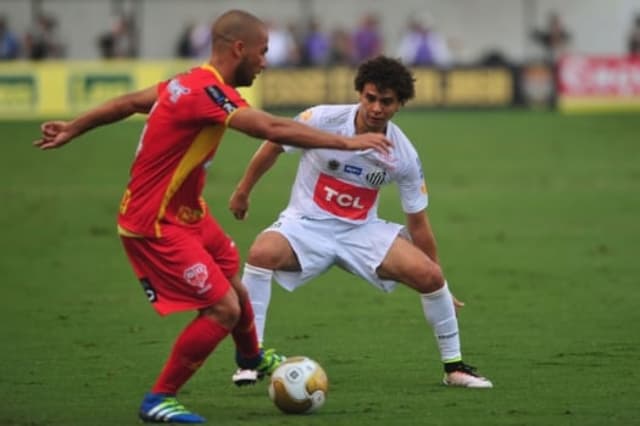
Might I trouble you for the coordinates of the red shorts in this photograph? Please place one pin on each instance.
(185, 269)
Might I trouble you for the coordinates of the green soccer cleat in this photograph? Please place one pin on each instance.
(252, 370)
(270, 361)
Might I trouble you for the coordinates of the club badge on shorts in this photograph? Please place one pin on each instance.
(197, 276)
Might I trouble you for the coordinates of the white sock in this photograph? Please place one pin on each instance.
(258, 283)
(441, 314)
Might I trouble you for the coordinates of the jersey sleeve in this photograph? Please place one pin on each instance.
(309, 117)
(217, 103)
(411, 184)
(162, 86)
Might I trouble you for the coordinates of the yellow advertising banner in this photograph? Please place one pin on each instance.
(457, 87)
(64, 88)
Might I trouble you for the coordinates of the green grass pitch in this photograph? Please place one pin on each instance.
(537, 217)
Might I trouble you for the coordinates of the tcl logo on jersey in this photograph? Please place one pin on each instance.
(343, 199)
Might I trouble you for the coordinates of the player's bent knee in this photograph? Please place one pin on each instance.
(263, 256)
(229, 315)
(227, 312)
(430, 279)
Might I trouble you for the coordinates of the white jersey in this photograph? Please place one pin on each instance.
(344, 185)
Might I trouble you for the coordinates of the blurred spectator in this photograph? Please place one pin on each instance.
(554, 39)
(341, 48)
(120, 41)
(494, 58)
(194, 41)
(183, 44)
(634, 38)
(201, 41)
(283, 50)
(422, 45)
(9, 44)
(367, 40)
(316, 45)
(43, 40)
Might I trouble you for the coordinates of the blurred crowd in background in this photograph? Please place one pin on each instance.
(43, 40)
(295, 44)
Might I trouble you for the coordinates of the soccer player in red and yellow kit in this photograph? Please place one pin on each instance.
(180, 254)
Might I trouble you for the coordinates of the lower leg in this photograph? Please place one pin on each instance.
(258, 283)
(440, 312)
(244, 333)
(189, 352)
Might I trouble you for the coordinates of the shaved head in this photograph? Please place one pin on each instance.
(236, 25)
(239, 45)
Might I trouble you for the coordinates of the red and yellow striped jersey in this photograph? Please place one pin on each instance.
(180, 138)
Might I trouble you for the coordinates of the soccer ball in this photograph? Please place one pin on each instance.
(298, 386)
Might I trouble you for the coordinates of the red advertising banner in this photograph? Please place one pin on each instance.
(590, 82)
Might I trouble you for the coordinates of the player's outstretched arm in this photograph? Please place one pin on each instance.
(264, 158)
(57, 133)
(286, 131)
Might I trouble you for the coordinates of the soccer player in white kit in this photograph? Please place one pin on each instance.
(332, 215)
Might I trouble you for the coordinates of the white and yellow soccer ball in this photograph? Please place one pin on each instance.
(299, 386)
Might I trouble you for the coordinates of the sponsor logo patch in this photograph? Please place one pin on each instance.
(189, 215)
(219, 98)
(354, 170)
(149, 290)
(343, 199)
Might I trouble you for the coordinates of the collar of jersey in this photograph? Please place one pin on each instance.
(215, 72)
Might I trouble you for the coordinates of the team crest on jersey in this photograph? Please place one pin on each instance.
(305, 115)
(219, 98)
(196, 276)
(333, 164)
(176, 89)
(376, 177)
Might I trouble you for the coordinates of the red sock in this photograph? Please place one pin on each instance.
(244, 333)
(191, 349)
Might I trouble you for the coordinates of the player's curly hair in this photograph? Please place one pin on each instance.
(386, 73)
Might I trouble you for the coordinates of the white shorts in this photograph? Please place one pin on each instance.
(320, 244)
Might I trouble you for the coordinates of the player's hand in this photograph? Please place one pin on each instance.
(54, 135)
(457, 304)
(239, 205)
(376, 141)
